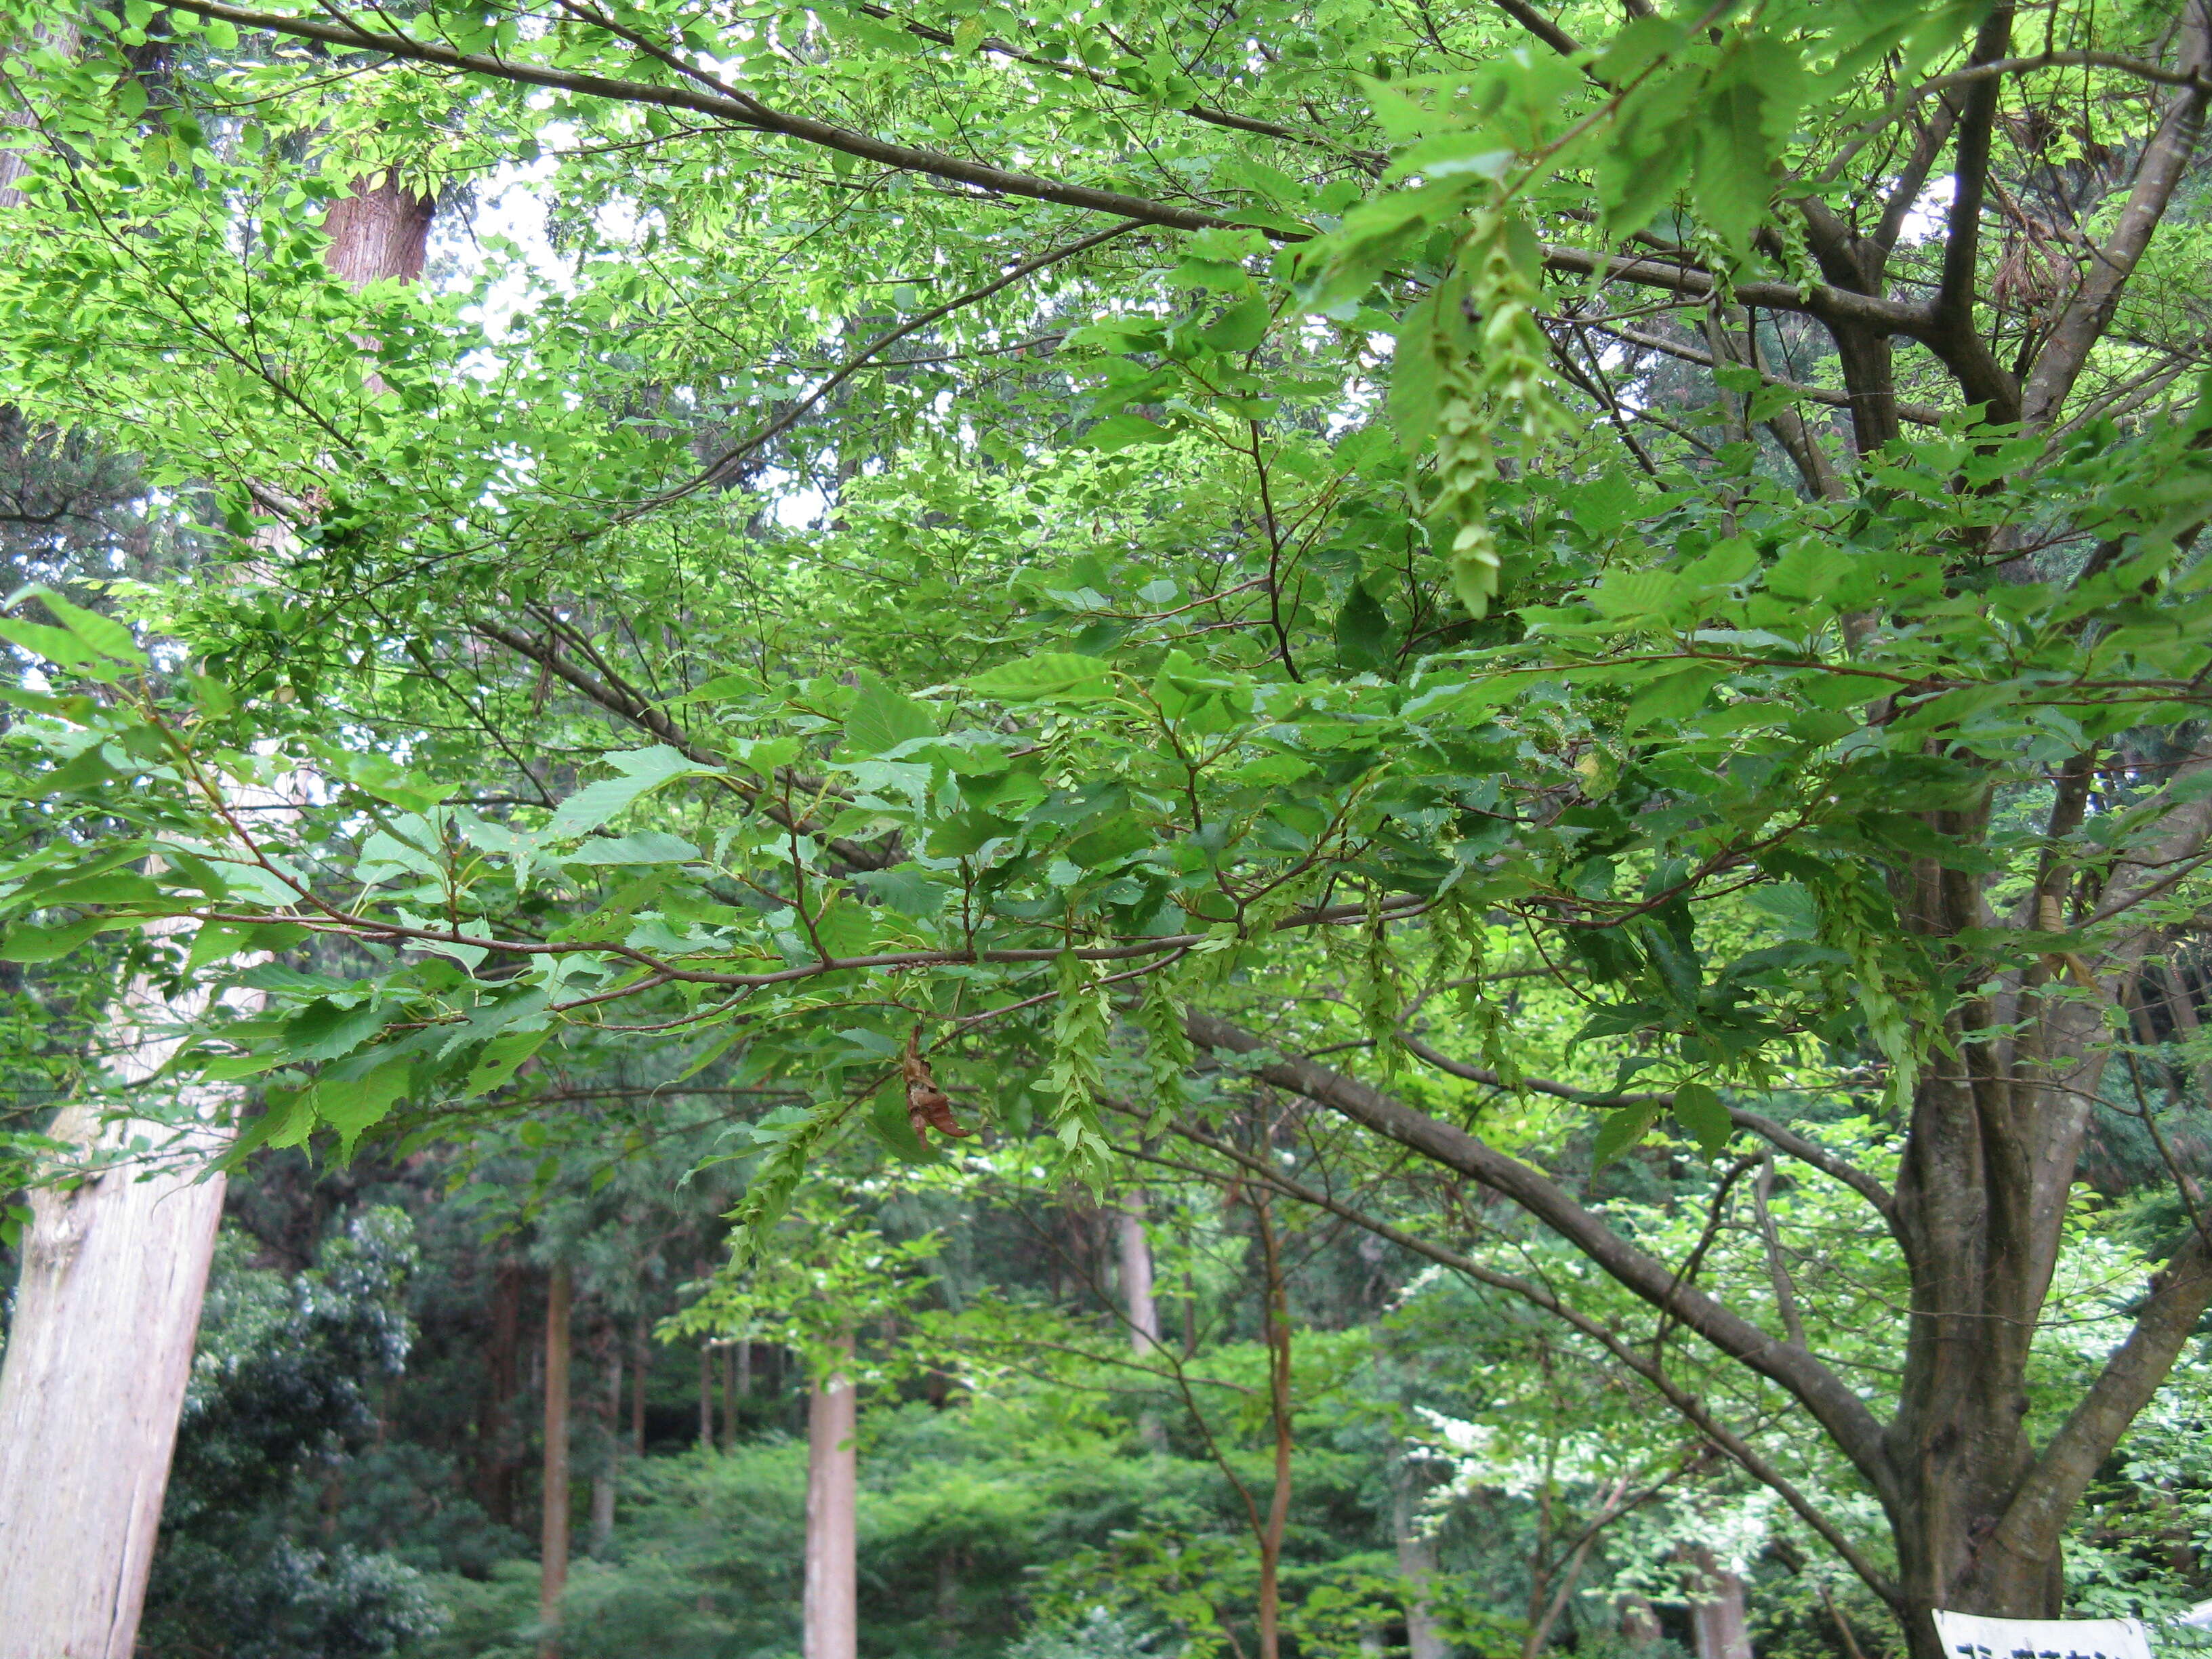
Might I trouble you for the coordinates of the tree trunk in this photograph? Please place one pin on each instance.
(1143, 1311)
(1716, 1607)
(114, 1274)
(605, 1483)
(831, 1615)
(641, 1359)
(1417, 1565)
(729, 1439)
(107, 1313)
(98, 1357)
(706, 1398)
(495, 1425)
(61, 35)
(378, 232)
(553, 1551)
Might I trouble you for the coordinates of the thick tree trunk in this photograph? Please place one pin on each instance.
(1716, 1608)
(495, 1425)
(831, 1613)
(553, 1551)
(101, 1347)
(1417, 1565)
(107, 1313)
(1143, 1310)
(382, 231)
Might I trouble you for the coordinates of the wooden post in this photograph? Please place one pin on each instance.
(553, 1552)
(830, 1616)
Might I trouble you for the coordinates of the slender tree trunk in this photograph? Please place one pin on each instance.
(606, 1482)
(831, 1613)
(640, 1360)
(706, 1398)
(1144, 1312)
(553, 1549)
(729, 1440)
(494, 1421)
(1275, 1319)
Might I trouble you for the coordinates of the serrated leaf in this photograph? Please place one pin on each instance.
(646, 847)
(881, 718)
(1042, 676)
(109, 637)
(1701, 1111)
(641, 771)
(1362, 632)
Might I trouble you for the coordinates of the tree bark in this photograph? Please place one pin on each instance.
(641, 1361)
(553, 1535)
(380, 231)
(106, 1311)
(1716, 1608)
(1417, 1565)
(606, 1483)
(831, 1613)
(1142, 1309)
(706, 1398)
(496, 1467)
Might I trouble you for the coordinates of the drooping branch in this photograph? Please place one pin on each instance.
(1840, 1412)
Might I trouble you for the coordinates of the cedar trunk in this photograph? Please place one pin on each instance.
(553, 1552)
(831, 1613)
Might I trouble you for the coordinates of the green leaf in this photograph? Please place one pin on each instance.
(1621, 1130)
(641, 770)
(906, 889)
(1364, 635)
(880, 720)
(1045, 676)
(29, 943)
(322, 1030)
(501, 1057)
(105, 635)
(350, 1105)
(1670, 697)
(1700, 1111)
(1240, 328)
(646, 847)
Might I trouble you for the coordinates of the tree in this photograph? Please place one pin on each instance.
(1866, 762)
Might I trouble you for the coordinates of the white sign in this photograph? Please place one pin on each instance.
(1970, 1636)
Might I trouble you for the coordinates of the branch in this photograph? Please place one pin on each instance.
(1970, 177)
(1692, 1408)
(1815, 300)
(737, 111)
(1918, 414)
(1840, 1412)
(2164, 161)
(2039, 1509)
(1809, 1152)
(719, 468)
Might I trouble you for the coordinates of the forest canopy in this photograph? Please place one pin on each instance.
(1566, 646)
